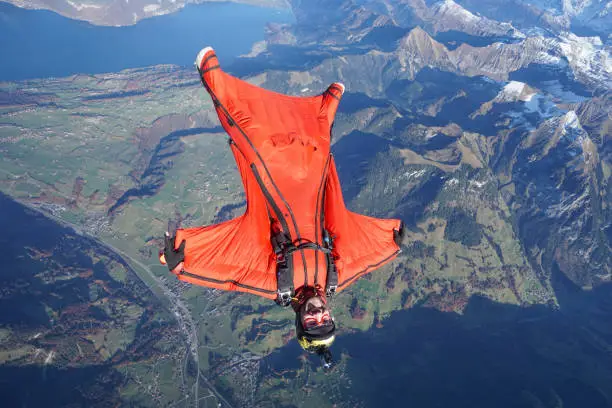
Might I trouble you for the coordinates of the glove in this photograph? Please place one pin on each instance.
(399, 236)
(172, 257)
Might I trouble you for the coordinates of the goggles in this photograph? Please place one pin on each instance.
(316, 318)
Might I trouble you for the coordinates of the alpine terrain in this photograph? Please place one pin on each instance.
(485, 125)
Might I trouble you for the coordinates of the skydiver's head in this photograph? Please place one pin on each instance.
(314, 325)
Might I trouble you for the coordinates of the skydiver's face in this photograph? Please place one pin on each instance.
(314, 313)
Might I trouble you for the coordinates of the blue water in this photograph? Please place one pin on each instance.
(37, 44)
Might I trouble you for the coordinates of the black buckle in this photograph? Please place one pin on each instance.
(331, 290)
(280, 243)
(328, 239)
(283, 298)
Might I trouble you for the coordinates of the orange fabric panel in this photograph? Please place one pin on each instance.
(282, 148)
(362, 243)
(291, 134)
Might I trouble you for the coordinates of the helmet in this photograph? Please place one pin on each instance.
(317, 339)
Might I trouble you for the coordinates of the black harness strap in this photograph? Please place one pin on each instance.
(331, 285)
(309, 245)
(283, 248)
(284, 268)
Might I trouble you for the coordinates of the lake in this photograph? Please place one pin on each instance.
(40, 43)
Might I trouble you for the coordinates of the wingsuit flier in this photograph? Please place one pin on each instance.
(296, 243)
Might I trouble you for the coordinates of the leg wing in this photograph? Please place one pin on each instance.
(362, 243)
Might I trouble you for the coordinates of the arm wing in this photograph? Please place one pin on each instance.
(236, 254)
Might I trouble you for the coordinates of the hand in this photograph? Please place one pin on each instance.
(399, 236)
(173, 258)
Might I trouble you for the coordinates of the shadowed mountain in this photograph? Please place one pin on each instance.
(47, 270)
(587, 17)
(353, 102)
(354, 154)
(555, 79)
(437, 105)
(493, 355)
(453, 39)
(74, 319)
(38, 386)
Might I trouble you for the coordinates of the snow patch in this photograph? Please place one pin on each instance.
(80, 7)
(49, 358)
(540, 104)
(545, 58)
(514, 87)
(528, 97)
(414, 174)
(576, 7)
(536, 104)
(568, 205)
(452, 182)
(557, 90)
(516, 91)
(304, 90)
(573, 128)
(449, 12)
(587, 56)
(151, 8)
(511, 91)
(456, 9)
(478, 184)
(570, 120)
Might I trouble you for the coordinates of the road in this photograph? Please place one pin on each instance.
(177, 307)
(210, 386)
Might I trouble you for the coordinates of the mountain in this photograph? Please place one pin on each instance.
(484, 126)
(121, 12)
(590, 17)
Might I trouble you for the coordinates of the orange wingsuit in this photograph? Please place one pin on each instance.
(282, 147)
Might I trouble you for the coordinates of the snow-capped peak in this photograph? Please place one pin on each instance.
(449, 6)
(587, 56)
(571, 121)
(515, 91)
(514, 88)
(575, 7)
(571, 127)
(449, 15)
